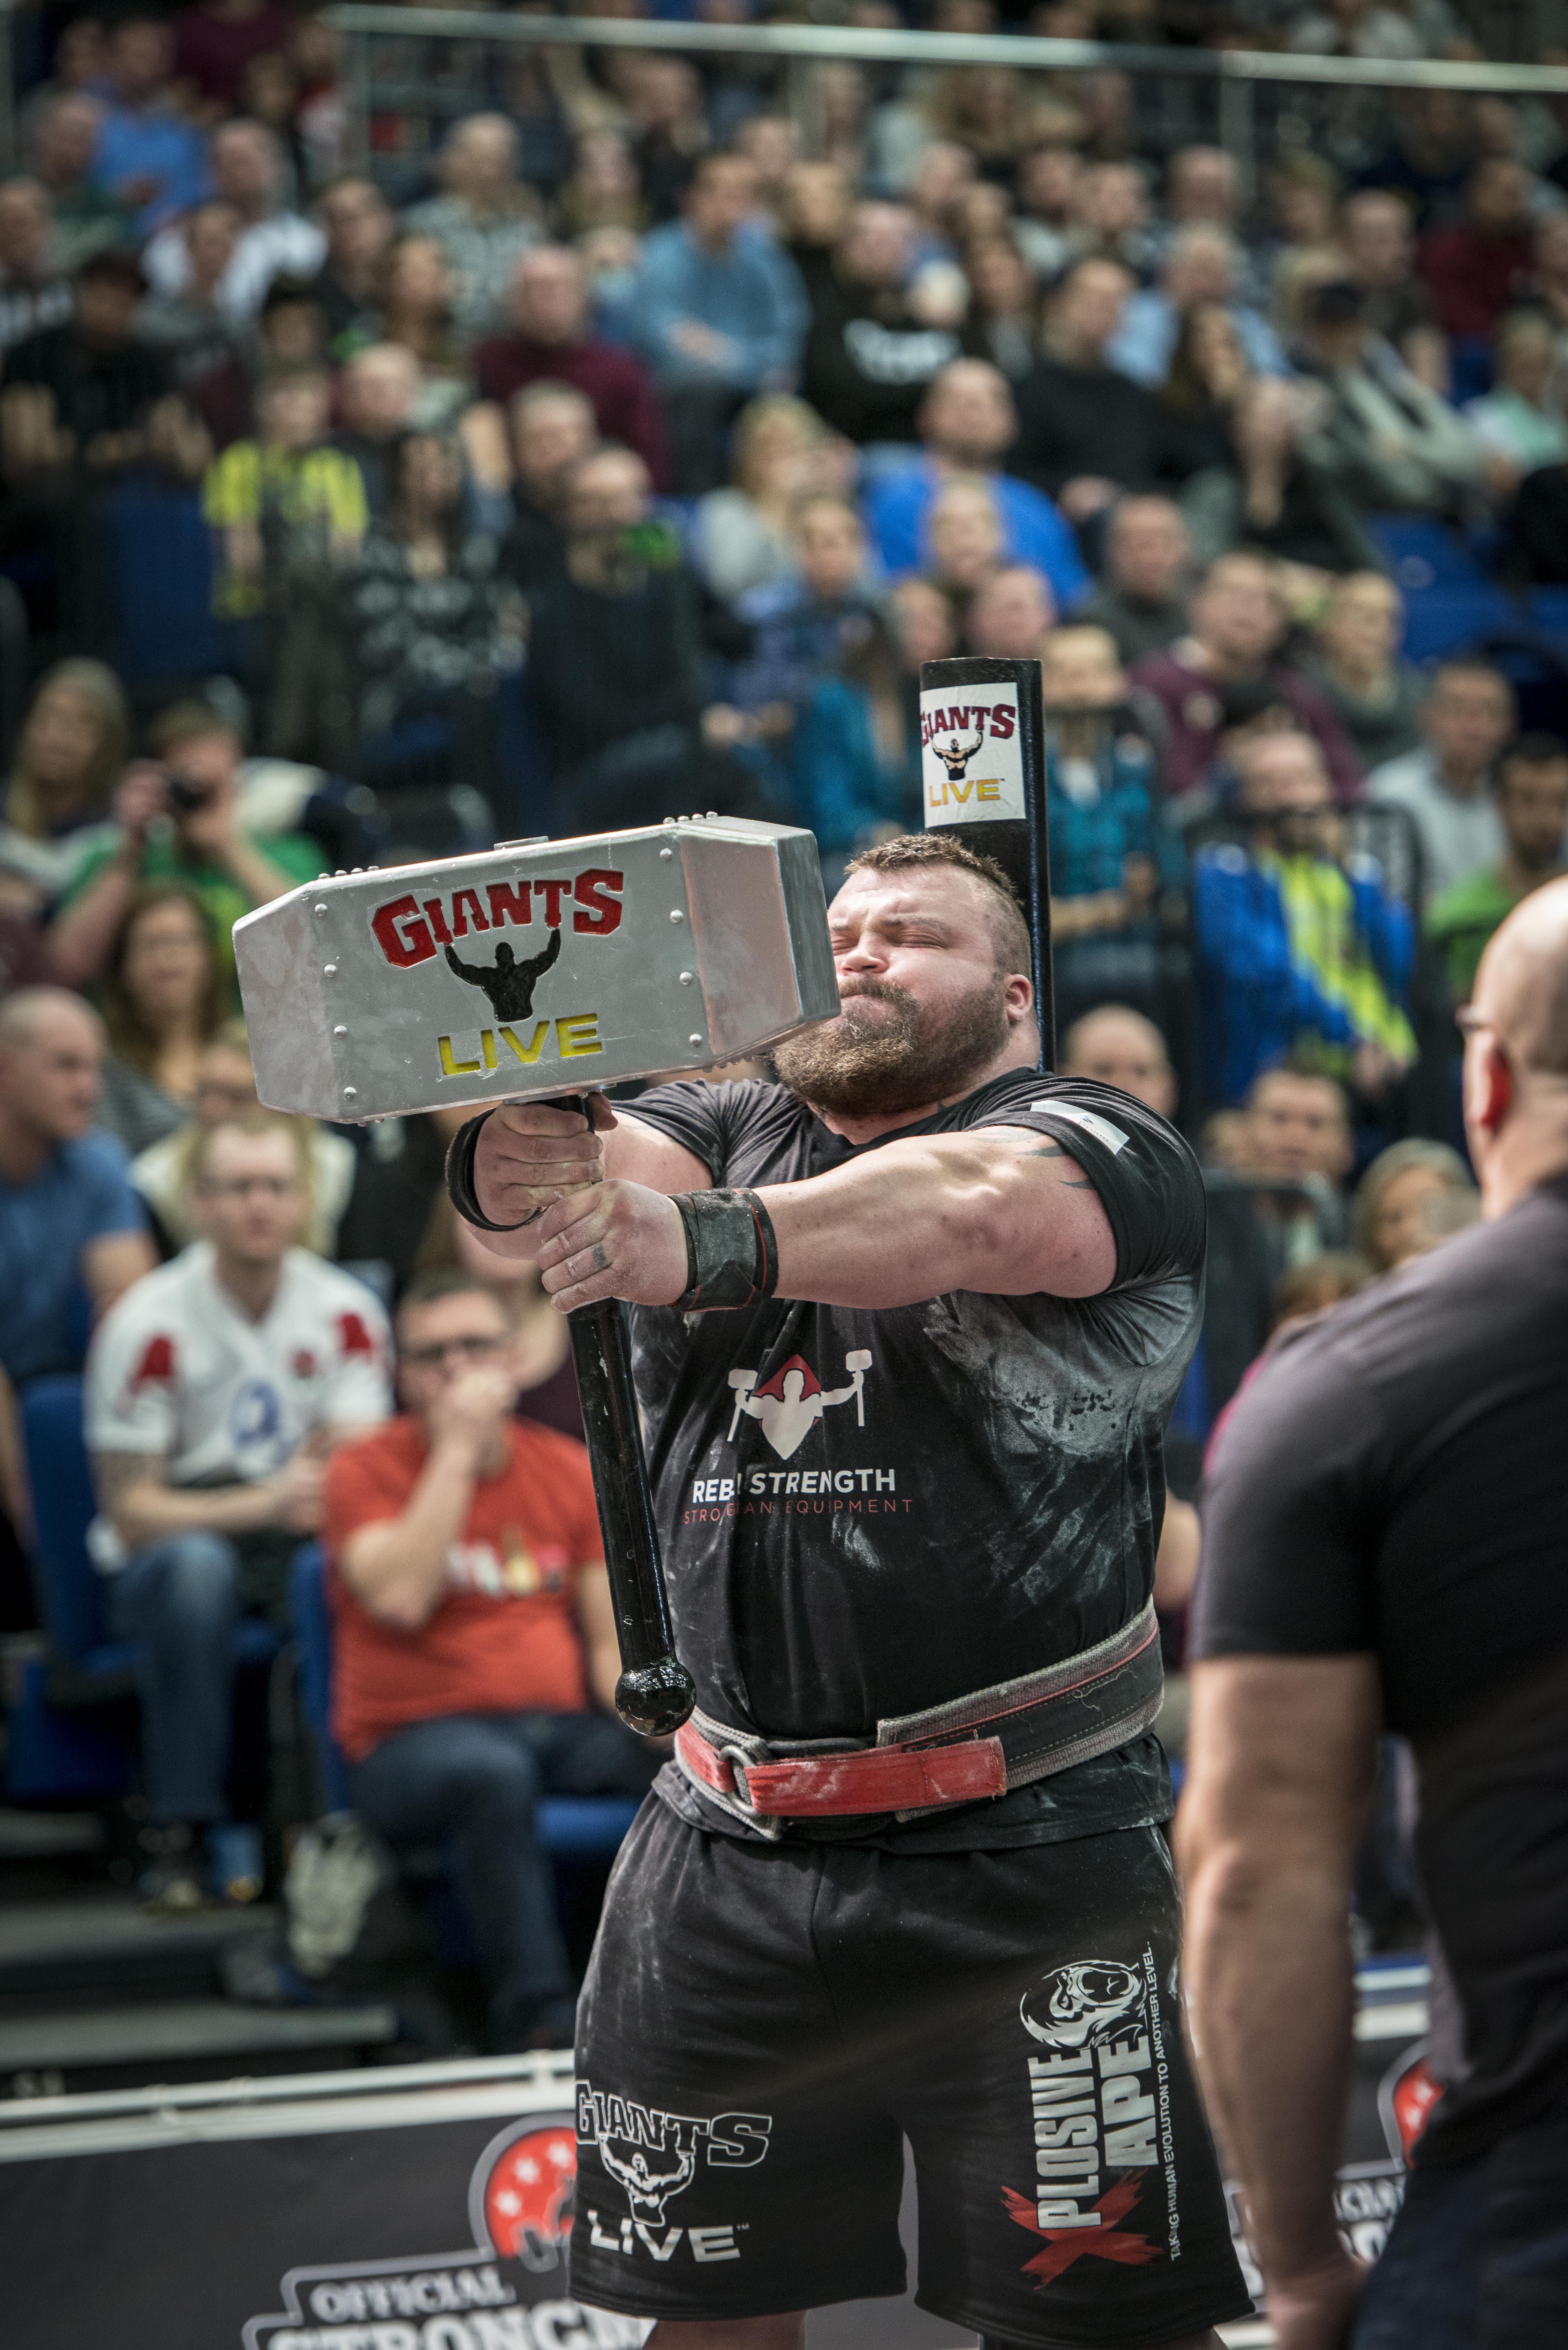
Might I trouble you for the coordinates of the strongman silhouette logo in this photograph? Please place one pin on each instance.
(789, 1405)
(956, 753)
(508, 982)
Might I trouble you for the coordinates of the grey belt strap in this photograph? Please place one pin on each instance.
(1038, 1725)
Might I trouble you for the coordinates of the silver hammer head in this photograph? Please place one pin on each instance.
(539, 968)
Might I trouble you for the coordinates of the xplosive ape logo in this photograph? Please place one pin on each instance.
(653, 2156)
(507, 2290)
(1099, 2096)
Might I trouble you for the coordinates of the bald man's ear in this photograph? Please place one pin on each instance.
(1488, 1096)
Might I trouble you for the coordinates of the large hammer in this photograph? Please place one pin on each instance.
(982, 774)
(539, 970)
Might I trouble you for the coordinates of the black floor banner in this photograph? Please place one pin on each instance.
(430, 2207)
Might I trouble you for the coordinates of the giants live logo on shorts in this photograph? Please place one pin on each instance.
(653, 2156)
(1100, 2095)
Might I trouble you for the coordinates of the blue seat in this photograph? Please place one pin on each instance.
(1423, 553)
(54, 1752)
(569, 1827)
(1442, 620)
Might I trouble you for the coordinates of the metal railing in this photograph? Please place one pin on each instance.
(1222, 88)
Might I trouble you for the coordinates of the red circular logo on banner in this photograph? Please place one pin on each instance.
(528, 2197)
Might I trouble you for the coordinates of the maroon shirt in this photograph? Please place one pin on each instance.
(1472, 278)
(1190, 698)
(618, 387)
(213, 51)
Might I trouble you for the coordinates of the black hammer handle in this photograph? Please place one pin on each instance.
(655, 1692)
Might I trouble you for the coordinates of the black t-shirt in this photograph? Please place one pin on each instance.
(865, 1514)
(95, 390)
(1395, 1483)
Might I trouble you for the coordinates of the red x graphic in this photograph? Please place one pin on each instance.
(1065, 2245)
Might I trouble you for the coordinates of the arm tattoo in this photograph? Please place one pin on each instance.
(1054, 1150)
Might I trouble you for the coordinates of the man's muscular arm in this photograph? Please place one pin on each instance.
(1000, 1209)
(1281, 1759)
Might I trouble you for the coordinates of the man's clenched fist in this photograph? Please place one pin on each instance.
(531, 1154)
(617, 1240)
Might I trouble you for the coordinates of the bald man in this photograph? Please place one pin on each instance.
(69, 1221)
(1120, 1048)
(1385, 1545)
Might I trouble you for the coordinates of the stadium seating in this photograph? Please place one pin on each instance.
(70, 1734)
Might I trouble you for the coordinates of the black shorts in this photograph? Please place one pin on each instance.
(764, 2025)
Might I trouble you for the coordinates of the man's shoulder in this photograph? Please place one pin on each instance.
(1408, 778)
(329, 1290)
(177, 1296)
(97, 1158)
(1479, 896)
(395, 1446)
(900, 488)
(1163, 673)
(538, 1452)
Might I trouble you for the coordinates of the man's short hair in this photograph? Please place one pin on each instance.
(187, 722)
(1010, 931)
(1470, 665)
(20, 1013)
(285, 291)
(1072, 1043)
(1533, 750)
(711, 159)
(548, 391)
(254, 1125)
(450, 1281)
(118, 265)
(1300, 1072)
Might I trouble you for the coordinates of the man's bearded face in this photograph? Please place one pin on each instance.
(876, 1065)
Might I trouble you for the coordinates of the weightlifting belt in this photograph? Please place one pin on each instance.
(973, 1747)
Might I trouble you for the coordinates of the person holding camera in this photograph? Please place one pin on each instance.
(180, 818)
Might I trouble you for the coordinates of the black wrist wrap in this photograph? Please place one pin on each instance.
(731, 1252)
(459, 1180)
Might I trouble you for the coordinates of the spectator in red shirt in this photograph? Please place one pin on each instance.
(550, 340)
(474, 1634)
(1477, 268)
(1237, 623)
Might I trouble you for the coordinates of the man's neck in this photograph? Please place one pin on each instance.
(1197, 654)
(715, 247)
(251, 1286)
(22, 1150)
(1020, 1051)
(1518, 879)
(1068, 351)
(1531, 1150)
(1465, 786)
(1358, 676)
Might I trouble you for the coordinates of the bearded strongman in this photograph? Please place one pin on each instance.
(908, 1326)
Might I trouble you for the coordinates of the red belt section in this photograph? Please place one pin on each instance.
(875, 1779)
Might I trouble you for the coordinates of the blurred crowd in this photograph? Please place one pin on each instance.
(621, 441)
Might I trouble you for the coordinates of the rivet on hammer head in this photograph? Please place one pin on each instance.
(329, 971)
(712, 815)
(665, 855)
(686, 978)
(340, 1031)
(349, 1094)
(677, 916)
(321, 910)
(694, 1040)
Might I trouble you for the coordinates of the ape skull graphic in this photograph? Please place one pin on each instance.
(1082, 2003)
